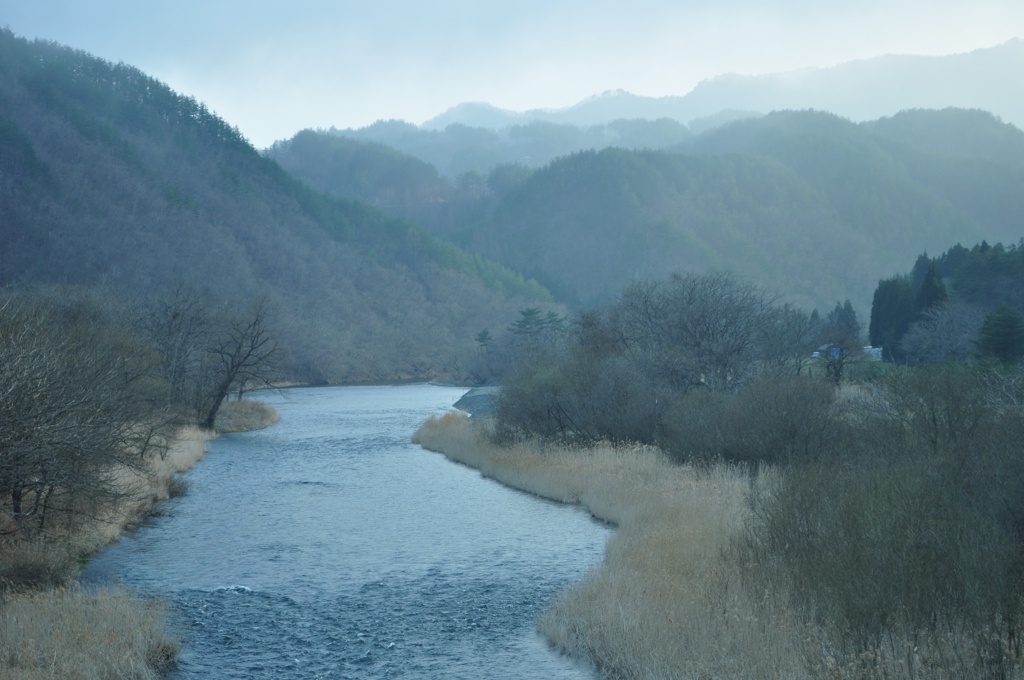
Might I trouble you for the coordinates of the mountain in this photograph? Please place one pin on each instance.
(369, 172)
(109, 177)
(460, 148)
(991, 79)
(809, 204)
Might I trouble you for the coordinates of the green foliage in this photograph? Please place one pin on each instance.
(892, 311)
(931, 292)
(1002, 334)
(944, 323)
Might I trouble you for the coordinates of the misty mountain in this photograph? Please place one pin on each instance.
(369, 172)
(991, 79)
(108, 177)
(460, 148)
(809, 204)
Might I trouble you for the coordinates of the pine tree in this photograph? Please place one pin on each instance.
(931, 293)
(1002, 334)
(892, 311)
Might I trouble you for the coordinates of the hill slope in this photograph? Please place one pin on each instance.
(806, 203)
(107, 176)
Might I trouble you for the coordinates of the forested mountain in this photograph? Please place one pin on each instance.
(591, 222)
(108, 177)
(806, 203)
(459, 148)
(371, 173)
(990, 78)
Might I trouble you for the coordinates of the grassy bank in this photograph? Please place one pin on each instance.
(668, 601)
(52, 628)
(882, 562)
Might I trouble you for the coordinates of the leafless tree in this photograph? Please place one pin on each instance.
(240, 358)
(704, 330)
(76, 403)
(944, 332)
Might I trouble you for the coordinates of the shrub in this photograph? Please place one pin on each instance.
(27, 565)
(775, 418)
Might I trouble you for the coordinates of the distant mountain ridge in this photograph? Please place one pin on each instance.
(988, 78)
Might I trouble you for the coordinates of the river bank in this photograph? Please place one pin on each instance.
(667, 601)
(51, 627)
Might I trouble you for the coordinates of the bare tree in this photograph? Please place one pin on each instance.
(179, 327)
(945, 332)
(240, 358)
(76, 402)
(705, 330)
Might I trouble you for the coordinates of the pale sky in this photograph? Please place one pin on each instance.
(273, 68)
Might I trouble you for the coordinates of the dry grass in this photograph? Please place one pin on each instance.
(245, 415)
(142, 490)
(50, 628)
(666, 602)
(71, 634)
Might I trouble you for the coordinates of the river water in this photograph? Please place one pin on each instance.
(329, 546)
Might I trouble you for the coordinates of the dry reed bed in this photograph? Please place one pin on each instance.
(76, 634)
(70, 632)
(665, 602)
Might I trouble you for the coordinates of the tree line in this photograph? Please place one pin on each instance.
(964, 303)
(90, 384)
(618, 373)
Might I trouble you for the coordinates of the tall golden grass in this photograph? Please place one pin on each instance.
(74, 634)
(245, 415)
(667, 601)
(690, 585)
(50, 627)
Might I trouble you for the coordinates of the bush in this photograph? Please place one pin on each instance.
(774, 419)
(28, 565)
(912, 532)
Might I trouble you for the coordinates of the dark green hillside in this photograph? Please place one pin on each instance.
(873, 191)
(589, 223)
(969, 157)
(107, 176)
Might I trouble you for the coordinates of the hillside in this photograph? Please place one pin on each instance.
(108, 177)
(807, 203)
(460, 148)
(589, 223)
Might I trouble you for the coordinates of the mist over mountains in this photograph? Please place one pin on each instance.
(806, 203)
(991, 79)
(384, 251)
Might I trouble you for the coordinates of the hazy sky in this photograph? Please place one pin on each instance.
(273, 68)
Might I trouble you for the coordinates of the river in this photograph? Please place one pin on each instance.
(329, 546)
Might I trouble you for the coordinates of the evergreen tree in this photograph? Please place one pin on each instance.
(842, 327)
(1002, 334)
(892, 311)
(932, 291)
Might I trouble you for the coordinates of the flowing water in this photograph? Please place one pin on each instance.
(329, 546)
